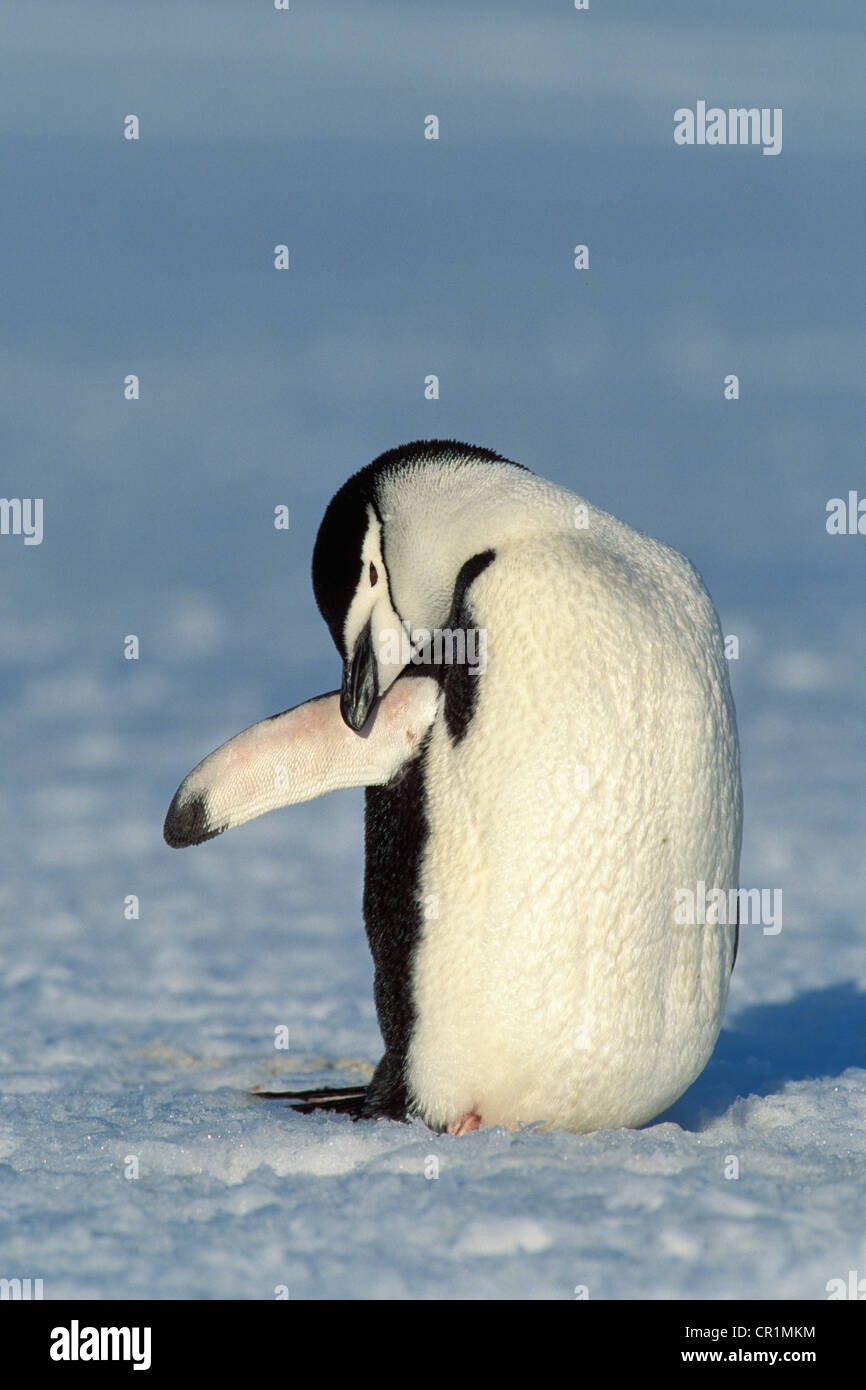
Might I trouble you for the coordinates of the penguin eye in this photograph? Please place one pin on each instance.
(374, 575)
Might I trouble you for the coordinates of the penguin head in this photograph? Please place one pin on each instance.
(353, 591)
(388, 553)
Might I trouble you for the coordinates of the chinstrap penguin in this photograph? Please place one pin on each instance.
(540, 783)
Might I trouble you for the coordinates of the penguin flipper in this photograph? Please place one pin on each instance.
(340, 1100)
(299, 755)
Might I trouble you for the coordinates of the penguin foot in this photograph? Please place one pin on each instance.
(340, 1100)
(465, 1124)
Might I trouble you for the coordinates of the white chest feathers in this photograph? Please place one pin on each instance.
(597, 777)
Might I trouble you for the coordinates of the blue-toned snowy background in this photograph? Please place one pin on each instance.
(139, 1038)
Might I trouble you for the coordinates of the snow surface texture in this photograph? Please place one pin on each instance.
(140, 1038)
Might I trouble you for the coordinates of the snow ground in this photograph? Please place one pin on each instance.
(140, 1038)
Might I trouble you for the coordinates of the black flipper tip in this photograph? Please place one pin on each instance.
(188, 822)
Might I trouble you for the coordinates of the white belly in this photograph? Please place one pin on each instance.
(598, 777)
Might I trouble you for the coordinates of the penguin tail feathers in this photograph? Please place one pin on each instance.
(340, 1100)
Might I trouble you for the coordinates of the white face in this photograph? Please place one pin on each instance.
(372, 604)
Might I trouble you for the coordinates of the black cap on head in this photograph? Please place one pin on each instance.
(337, 552)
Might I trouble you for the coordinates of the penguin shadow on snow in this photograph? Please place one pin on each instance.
(819, 1034)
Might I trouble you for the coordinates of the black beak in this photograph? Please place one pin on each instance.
(359, 690)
